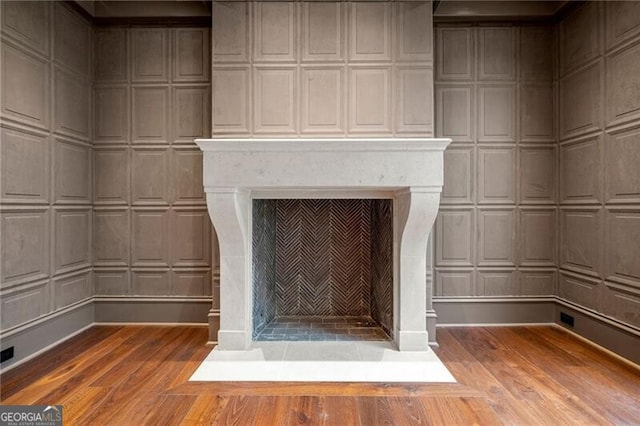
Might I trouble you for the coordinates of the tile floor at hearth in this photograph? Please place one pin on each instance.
(329, 328)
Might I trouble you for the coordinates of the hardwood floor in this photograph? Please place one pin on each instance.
(139, 375)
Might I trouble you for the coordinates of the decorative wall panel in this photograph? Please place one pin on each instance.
(24, 303)
(537, 113)
(149, 53)
(150, 121)
(454, 283)
(72, 105)
(111, 175)
(150, 173)
(414, 99)
(25, 246)
(231, 90)
(153, 98)
(72, 40)
(459, 178)
(25, 167)
(580, 290)
(111, 114)
(623, 242)
(71, 289)
(111, 282)
(622, 156)
(72, 166)
(25, 87)
(370, 35)
(414, 31)
(191, 239)
(538, 233)
(537, 174)
(455, 53)
(536, 282)
(230, 31)
(496, 237)
(150, 282)
(322, 31)
(150, 235)
(322, 68)
(454, 237)
(369, 102)
(275, 29)
(111, 236)
(581, 240)
(191, 61)
(536, 62)
(28, 23)
(580, 37)
(191, 113)
(622, 21)
(623, 85)
(110, 50)
(322, 104)
(454, 110)
(600, 240)
(497, 283)
(496, 53)
(496, 113)
(580, 102)
(275, 100)
(46, 161)
(495, 97)
(496, 175)
(186, 175)
(72, 239)
(580, 178)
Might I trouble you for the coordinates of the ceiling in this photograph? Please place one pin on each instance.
(445, 10)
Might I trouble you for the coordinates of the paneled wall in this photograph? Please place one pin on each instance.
(151, 229)
(496, 232)
(46, 193)
(305, 69)
(599, 144)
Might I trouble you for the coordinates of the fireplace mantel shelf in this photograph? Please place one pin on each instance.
(407, 170)
(346, 164)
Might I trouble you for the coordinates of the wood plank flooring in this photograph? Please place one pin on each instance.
(139, 375)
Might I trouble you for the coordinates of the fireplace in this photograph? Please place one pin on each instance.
(322, 269)
(244, 177)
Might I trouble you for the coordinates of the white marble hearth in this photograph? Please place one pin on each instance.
(323, 362)
(408, 171)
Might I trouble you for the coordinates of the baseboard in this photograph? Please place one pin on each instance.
(45, 333)
(494, 311)
(619, 338)
(151, 310)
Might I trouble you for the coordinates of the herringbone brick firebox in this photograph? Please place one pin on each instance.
(323, 259)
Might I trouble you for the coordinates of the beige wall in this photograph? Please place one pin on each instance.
(101, 182)
(46, 194)
(322, 69)
(496, 230)
(599, 145)
(151, 99)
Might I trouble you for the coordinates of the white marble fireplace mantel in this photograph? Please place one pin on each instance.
(407, 170)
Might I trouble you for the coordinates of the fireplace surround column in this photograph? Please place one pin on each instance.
(415, 212)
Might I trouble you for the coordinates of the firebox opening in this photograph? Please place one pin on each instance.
(322, 269)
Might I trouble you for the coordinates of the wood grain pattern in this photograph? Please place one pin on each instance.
(137, 375)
